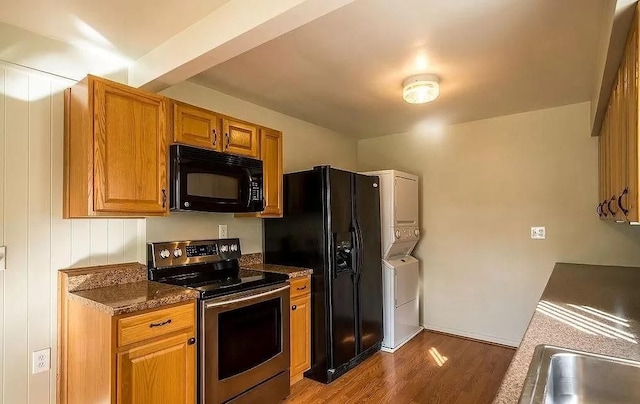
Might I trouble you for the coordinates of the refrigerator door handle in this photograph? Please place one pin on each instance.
(359, 247)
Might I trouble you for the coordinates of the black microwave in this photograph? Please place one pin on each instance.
(208, 181)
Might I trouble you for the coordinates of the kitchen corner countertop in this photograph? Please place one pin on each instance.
(293, 272)
(594, 299)
(131, 297)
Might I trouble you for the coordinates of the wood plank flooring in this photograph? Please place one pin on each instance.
(431, 368)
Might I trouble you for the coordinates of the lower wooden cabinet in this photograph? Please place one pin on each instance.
(144, 357)
(158, 372)
(300, 315)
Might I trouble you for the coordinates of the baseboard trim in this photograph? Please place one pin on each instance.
(392, 350)
(487, 339)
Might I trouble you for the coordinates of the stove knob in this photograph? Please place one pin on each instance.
(164, 253)
(177, 252)
(416, 232)
(224, 248)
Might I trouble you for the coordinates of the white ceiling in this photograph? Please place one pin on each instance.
(128, 28)
(344, 71)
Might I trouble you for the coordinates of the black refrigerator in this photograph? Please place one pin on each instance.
(331, 224)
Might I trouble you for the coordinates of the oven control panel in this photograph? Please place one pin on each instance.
(201, 250)
(179, 253)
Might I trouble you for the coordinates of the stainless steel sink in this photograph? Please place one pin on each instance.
(558, 375)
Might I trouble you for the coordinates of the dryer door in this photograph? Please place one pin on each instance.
(406, 280)
(406, 201)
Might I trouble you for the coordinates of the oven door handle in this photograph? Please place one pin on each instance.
(246, 298)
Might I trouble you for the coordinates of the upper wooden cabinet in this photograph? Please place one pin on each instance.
(195, 126)
(115, 151)
(271, 156)
(618, 142)
(240, 137)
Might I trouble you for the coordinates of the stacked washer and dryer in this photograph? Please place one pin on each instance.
(400, 223)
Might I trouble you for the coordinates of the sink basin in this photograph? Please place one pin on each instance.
(558, 375)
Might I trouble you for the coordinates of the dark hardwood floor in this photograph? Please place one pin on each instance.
(431, 368)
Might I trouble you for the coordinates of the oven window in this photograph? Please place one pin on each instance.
(248, 336)
(213, 186)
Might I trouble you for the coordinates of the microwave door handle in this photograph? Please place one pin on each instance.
(248, 187)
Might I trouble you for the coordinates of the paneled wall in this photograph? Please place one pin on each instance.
(38, 240)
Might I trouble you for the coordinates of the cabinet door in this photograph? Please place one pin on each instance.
(130, 161)
(629, 198)
(240, 138)
(158, 372)
(195, 126)
(300, 335)
(271, 154)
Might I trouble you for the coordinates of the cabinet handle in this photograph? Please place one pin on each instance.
(160, 324)
(625, 211)
(226, 135)
(294, 307)
(215, 137)
(191, 341)
(613, 198)
(603, 204)
(302, 288)
(599, 210)
(164, 198)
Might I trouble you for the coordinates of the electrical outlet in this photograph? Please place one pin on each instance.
(538, 233)
(222, 231)
(41, 360)
(3, 258)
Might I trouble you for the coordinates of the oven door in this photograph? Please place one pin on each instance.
(246, 342)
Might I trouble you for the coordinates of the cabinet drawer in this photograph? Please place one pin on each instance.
(140, 327)
(300, 286)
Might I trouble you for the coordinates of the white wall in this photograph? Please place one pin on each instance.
(38, 240)
(304, 146)
(483, 185)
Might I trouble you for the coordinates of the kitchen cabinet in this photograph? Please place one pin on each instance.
(618, 142)
(271, 156)
(115, 151)
(195, 126)
(239, 137)
(142, 357)
(300, 316)
(157, 372)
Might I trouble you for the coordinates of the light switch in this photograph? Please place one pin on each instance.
(538, 233)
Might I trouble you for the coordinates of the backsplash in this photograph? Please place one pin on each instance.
(203, 226)
(250, 259)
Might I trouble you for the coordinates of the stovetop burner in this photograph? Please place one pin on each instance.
(209, 266)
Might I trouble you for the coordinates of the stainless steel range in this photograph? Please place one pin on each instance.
(243, 319)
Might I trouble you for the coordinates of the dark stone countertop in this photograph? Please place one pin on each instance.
(592, 308)
(293, 272)
(134, 296)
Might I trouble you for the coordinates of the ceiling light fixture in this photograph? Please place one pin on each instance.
(421, 88)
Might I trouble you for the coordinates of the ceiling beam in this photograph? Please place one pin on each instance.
(234, 28)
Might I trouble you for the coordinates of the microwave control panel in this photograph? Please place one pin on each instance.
(256, 192)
